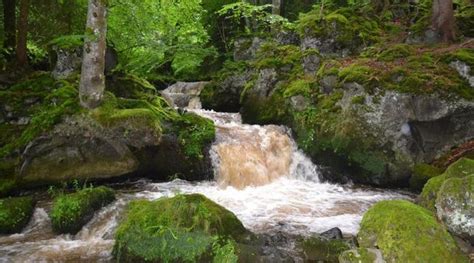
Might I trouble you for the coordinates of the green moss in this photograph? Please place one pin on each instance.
(360, 255)
(6, 186)
(421, 174)
(15, 214)
(299, 87)
(465, 55)
(406, 232)
(71, 212)
(461, 168)
(355, 73)
(183, 228)
(396, 51)
(272, 55)
(316, 249)
(360, 100)
(61, 100)
(194, 134)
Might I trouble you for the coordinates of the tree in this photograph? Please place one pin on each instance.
(21, 48)
(276, 7)
(442, 20)
(9, 22)
(92, 84)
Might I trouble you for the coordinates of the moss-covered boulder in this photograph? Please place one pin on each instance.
(178, 229)
(461, 168)
(126, 134)
(70, 212)
(318, 249)
(15, 213)
(455, 206)
(421, 174)
(405, 232)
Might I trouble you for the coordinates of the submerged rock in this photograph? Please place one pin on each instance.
(405, 232)
(15, 213)
(71, 212)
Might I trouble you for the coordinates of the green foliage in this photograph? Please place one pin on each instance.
(72, 211)
(406, 232)
(68, 41)
(160, 35)
(15, 214)
(396, 51)
(421, 174)
(184, 228)
(194, 133)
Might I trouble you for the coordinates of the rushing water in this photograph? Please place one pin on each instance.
(260, 175)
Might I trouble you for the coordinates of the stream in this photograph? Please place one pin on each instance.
(260, 175)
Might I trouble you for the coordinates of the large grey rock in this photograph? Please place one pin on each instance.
(455, 206)
(416, 128)
(184, 94)
(68, 62)
(246, 49)
(80, 148)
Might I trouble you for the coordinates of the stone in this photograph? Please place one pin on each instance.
(464, 70)
(184, 94)
(68, 62)
(455, 206)
(405, 232)
(332, 234)
(246, 48)
(362, 255)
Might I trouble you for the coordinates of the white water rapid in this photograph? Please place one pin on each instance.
(260, 175)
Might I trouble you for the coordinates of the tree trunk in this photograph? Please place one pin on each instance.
(442, 20)
(92, 85)
(276, 7)
(9, 22)
(21, 50)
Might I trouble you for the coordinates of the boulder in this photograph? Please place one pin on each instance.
(405, 232)
(421, 174)
(455, 206)
(15, 213)
(184, 94)
(362, 255)
(68, 62)
(459, 169)
(178, 229)
(319, 249)
(70, 212)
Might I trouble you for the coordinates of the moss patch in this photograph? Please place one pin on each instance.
(72, 211)
(360, 255)
(182, 228)
(461, 168)
(406, 232)
(316, 249)
(421, 174)
(15, 214)
(194, 134)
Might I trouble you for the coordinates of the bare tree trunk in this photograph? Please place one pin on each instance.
(21, 50)
(442, 20)
(9, 22)
(276, 7)
(92, 85)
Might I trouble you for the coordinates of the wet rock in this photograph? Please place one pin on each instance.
(332, 234)
(455, 206)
